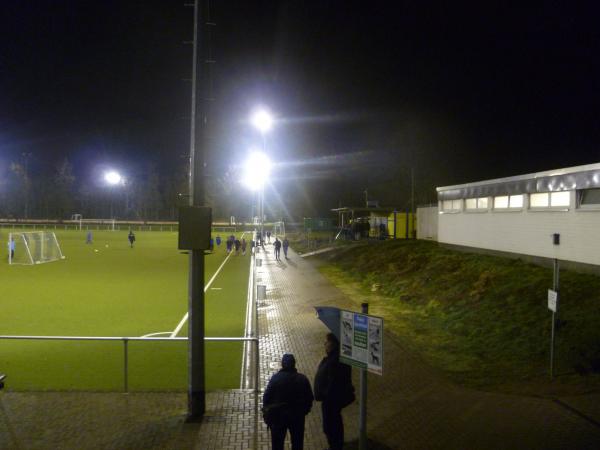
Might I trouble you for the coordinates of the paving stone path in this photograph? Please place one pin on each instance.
(410, 406)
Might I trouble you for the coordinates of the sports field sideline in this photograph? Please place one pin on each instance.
(109, 289)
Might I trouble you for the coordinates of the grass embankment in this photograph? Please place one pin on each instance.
(482, 320)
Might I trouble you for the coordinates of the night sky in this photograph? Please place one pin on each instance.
(362, 91)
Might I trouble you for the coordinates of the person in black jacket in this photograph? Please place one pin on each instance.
(131, 238)
(277, 249)
(290, 396)
(330, 382)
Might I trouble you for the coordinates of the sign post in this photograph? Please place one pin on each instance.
(553, 306)
(361, 342)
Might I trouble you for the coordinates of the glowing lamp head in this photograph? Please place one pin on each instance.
(256, 171)
(262, 120)
(112, 177)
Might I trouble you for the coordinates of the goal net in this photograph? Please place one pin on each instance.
(35, 247)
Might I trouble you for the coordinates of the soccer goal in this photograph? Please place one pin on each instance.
(279, 228)
(77, 218)
(34, 247)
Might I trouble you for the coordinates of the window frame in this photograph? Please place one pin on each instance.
(585, 207)
(477, 209)
(509, 208)
(549, 206)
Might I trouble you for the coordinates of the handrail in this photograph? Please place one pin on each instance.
(120, 338)
(126, 340)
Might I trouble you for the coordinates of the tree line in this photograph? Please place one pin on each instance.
(58, 193)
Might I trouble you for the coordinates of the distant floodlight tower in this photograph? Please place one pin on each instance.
(112, 178)
(257, 172)
(262, 120)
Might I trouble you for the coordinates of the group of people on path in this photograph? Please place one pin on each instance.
(278, 245)
(289, 398)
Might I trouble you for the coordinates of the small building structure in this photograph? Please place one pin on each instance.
(427, 222)
(551, 214)
(374, 222)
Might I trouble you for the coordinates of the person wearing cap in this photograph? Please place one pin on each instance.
(289, 397)
(331, 382)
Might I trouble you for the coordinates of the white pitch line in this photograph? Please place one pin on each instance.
(156, 334)
(185, 317)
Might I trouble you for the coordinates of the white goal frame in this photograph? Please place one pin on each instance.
(23, 235)
(77, 218)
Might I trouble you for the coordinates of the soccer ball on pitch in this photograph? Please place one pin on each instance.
(96, 250)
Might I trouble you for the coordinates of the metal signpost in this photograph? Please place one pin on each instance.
(553, 306)
(361, 345)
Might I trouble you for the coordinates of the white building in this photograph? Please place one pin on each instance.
(522, 214)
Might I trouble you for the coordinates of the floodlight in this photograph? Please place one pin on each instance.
(262, 120)
(256, 171)
(113, 177)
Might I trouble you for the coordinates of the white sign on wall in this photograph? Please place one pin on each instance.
(361, 341)
(552, 300)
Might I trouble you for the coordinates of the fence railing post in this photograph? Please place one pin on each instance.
(125, 365)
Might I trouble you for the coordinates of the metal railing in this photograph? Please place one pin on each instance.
(126, 340)
(93, 227)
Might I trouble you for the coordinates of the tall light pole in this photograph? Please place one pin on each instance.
(263, 122)
(112, 178)
(257, 171)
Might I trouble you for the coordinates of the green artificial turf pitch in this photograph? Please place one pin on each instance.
(117, 291)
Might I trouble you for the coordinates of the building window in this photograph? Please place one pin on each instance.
(560, 199)
(480, 203)
(539, 200)
(515, 201)
(508, 202)
(501, 202)
(451, 205)
(589, 198)
(545, 200)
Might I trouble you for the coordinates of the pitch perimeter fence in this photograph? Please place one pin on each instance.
(127, 340)
(108, 226)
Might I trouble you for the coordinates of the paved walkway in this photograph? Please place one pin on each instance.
(409, 406)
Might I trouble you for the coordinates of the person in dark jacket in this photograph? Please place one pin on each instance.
(131, 238)
(277, 249)
(290, 392)
(331, 379)
(285, 244)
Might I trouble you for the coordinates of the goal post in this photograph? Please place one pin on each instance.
(77, 218)
(33, 247)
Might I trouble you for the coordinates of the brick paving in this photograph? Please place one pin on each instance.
(410, 406)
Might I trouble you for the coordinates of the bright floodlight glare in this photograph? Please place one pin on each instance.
(112, 177)
(262, 120)
(257, 171)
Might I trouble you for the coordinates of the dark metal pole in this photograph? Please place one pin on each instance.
(362, 420)
(198, 147)
(412, 204)
(555, 286)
